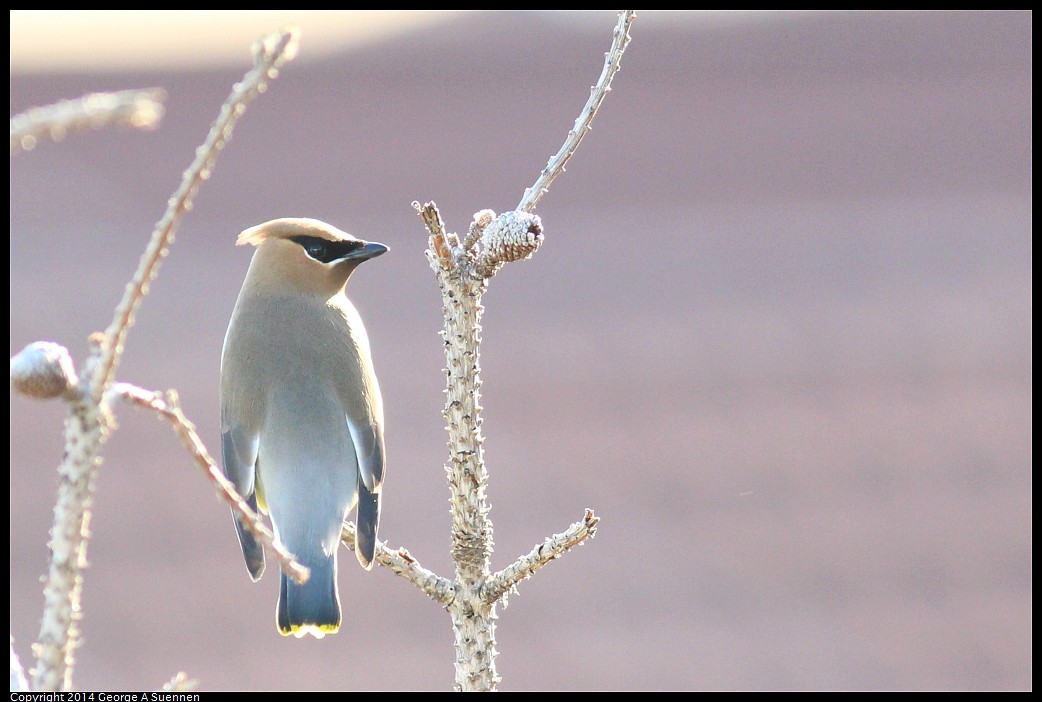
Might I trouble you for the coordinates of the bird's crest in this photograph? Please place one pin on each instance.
(289, 227)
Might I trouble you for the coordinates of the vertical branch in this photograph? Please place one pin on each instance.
(463, 273)
(89, 423)
(472, 542)
(86, 428)
(473, 618)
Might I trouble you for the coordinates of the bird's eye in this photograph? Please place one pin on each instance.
(316, 249)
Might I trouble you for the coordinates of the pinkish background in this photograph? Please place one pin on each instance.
(779, 337)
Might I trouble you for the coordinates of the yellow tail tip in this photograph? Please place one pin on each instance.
(319, 631)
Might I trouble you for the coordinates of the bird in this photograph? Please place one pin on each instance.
(302, 425)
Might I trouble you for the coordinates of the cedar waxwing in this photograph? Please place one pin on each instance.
(301, 414)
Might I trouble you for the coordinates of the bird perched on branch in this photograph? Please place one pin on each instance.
(301, 412)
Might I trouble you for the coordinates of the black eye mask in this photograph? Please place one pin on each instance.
(325, 250)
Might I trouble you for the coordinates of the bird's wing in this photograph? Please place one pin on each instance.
(239, 453)
(368, 524)
(368, 440)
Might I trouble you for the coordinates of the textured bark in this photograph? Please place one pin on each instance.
(89, 421)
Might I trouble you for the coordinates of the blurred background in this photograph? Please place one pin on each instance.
(779, 337)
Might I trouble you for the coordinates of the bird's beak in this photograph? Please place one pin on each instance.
(370, 250)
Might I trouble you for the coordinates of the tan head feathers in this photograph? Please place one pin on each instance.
(289, 227)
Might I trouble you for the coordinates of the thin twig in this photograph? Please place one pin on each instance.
(555, 166)
(554, 547)
(166, 405)
(441, 243)
(140, 109)
(269, 54)
(401, 563)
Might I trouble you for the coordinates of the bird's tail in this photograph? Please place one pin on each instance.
(314, 607)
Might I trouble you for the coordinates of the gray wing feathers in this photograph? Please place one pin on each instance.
(368, 523)
(368, 441)
(252, 551)
(239, 454)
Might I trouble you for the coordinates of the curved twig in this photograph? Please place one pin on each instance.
(555, 166)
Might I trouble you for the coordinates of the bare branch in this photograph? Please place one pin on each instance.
(555, 166)
(269, 54)
(473, 621)
(554, 547)
(441, 242)
(481, 222)
(401, 563)
(89, 422)
(86, 429)
(463, 274)
(166, 405)
(140, 109)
